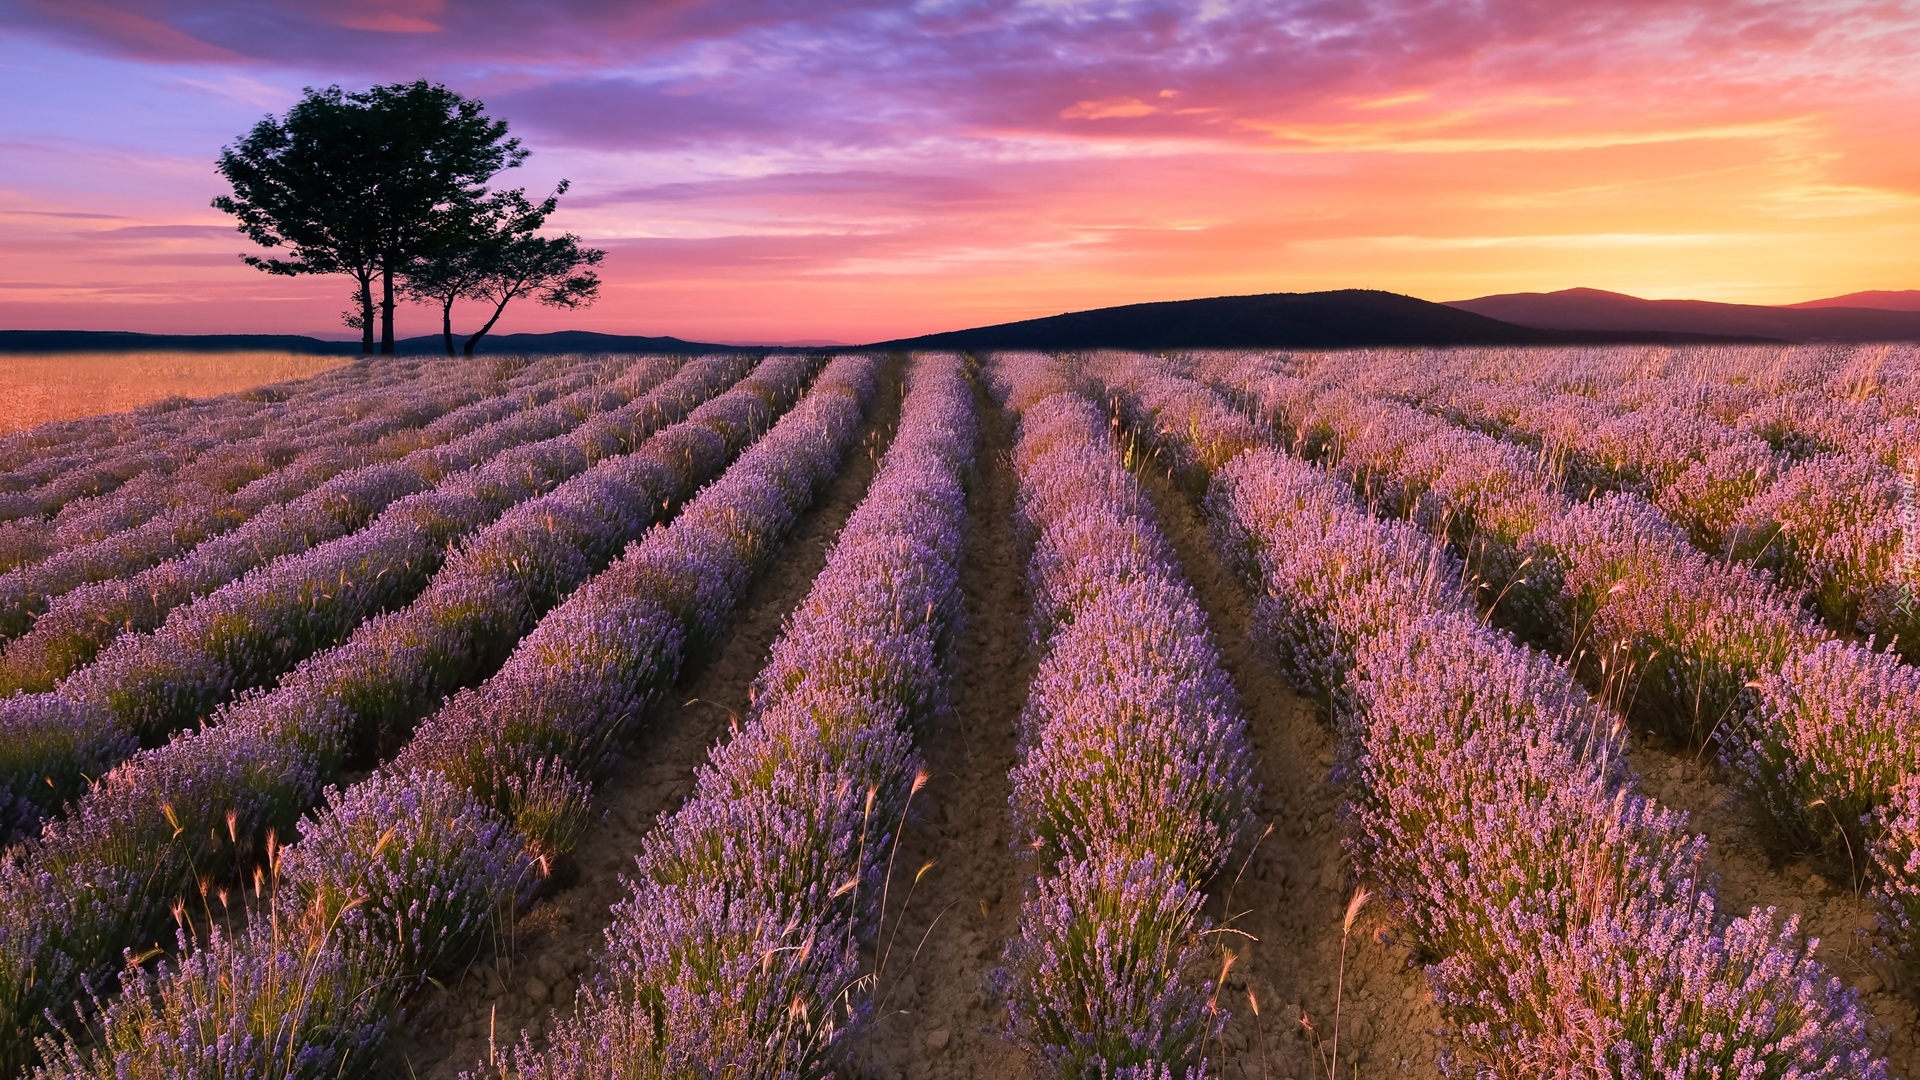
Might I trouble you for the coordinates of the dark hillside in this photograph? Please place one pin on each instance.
(1596, 310)
(1323, 320)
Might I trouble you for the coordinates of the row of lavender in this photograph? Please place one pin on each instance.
(1825, 522)
(46, 484)
(206, 468)
(382, 411)
(145, 686)
(1134, 782)
(1862, 401)
(738, 950)
(40, 457)
(405, 874)
(1562, 914)
(1822, 734)
(30, 456)
(239, 479)
(140, 526)
(79, 624)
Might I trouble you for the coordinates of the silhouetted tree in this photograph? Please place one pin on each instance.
(546, 268)
(496, 256)
(364, 184)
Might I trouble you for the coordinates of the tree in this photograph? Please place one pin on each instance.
(365, 184)
(547, 268)
(497, 256)
(462, 259)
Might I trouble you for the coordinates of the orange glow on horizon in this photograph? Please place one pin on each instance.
(1757, 161)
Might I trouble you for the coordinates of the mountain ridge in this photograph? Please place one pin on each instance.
(1341, 318)
(1879, 299)
(1582, 309)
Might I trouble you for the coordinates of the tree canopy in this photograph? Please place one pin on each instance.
(367, 184)
(497, 256)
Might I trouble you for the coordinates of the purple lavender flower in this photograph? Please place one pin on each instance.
(1107, 977)
(740, 945)
(1832, 734)
(406, 869)
(1562, 914)
(399, 909)
(111, 871)
(1135, 778)
(265, 1002)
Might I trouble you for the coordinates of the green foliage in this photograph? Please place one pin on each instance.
(496, 255)
(364, 184)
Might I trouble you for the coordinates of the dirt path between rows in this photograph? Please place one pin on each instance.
(554, 943)
(933, 1015)
(1751, 877)
(1292, 895)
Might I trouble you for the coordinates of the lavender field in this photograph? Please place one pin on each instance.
(1471, 712)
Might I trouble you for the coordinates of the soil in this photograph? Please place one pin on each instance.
(535, 971)
(1290, 895)
(1750, 876)
(933, 1015)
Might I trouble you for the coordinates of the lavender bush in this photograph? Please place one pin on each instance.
(1830, 737)
(265, 1003)
(1105, 965)
(1896, 856)
(740, 941)
(406, 870)
(1135, 779)
(1830, 527)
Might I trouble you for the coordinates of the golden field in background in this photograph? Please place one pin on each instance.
(37, 388)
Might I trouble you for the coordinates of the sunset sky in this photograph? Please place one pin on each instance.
(799, 170)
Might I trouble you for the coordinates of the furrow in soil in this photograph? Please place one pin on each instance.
(933, 1015)
(1284, 903)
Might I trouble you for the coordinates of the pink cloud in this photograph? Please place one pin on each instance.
(856, 169)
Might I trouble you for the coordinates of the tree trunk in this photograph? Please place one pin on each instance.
(366, 315)
(386, 309)
(482, 332)
(446, 323)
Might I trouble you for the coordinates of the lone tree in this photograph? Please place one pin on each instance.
(365, 184)
(496, 256)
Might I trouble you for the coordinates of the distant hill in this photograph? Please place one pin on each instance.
(57, 341)
(575, 341)
(1322, 320)
(1884, 299)
(1597, 310)
(1345, 318)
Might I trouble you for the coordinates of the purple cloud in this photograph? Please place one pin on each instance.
(654, 75)
(164, 232)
